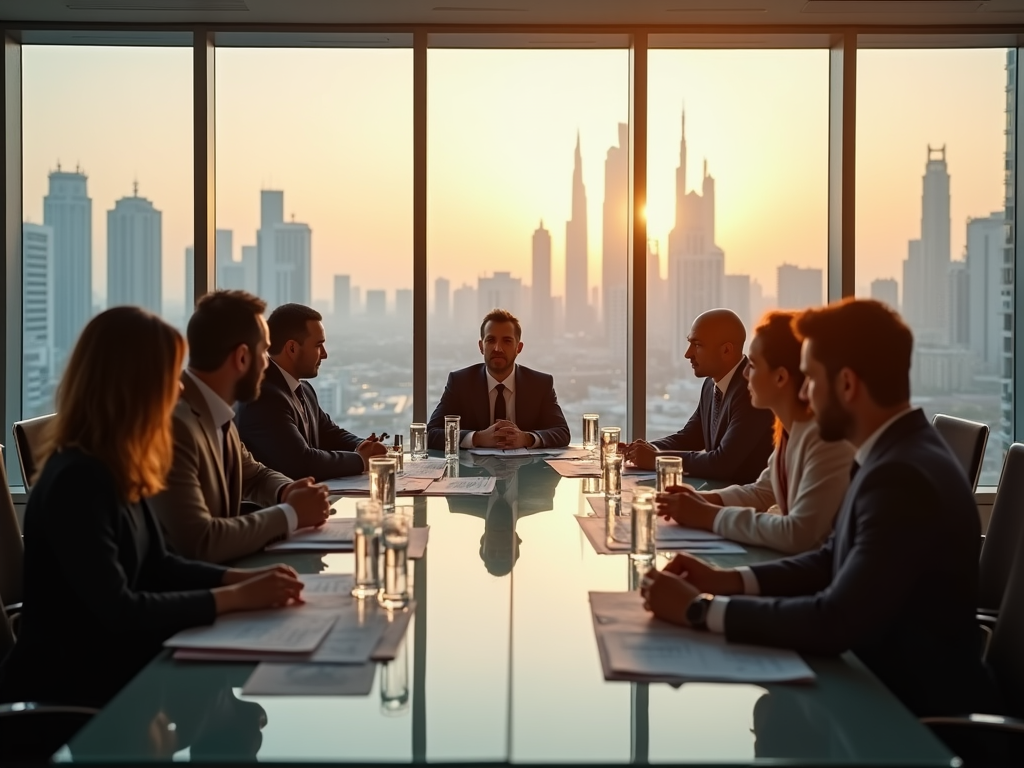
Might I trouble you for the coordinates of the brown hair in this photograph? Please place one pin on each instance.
(501, 316)
(867, 337)
(115, 399)
(289, 321)
(223, 321)
(781, 349)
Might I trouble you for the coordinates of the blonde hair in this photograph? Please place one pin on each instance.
(116, 397)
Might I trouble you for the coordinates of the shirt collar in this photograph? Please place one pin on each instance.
(865, 448)
(509, 382)
(293, 383)
(723, 385)
(220, 411)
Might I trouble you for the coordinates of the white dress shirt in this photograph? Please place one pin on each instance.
(222, 413)
(293, 383)
(723, 384)
(510, 405)
(716, 611)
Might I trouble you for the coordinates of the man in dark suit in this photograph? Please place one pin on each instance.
(285, 428)
(502, 404)
(726, 438)
(897, 582)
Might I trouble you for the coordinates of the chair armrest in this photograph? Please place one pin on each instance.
(23, 708)
(978, 721)
(13, 608)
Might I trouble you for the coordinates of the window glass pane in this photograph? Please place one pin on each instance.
(107, 195)
(314, 206)
(737, 201)
(931, 227)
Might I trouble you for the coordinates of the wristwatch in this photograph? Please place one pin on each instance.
(697, 613)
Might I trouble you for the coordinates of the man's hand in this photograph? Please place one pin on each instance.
(668, 595)
(509, 435)
(487, 438)
(687, 507)
(238, 575)
(706, 578)
(310, 502)
(272, 589)
(368, 449)
(640, 452)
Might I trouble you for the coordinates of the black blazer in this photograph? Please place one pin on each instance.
(271, 427)
(896, 583)
(738, 452)
(466, 395)
(102, 592)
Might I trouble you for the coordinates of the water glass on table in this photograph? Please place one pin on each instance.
(383, 479)
(367, 548)
(395, 530)
(452, 430)
(643, 526)
(668, 471)
(397, 452)
(417, 442)
(591, 434)
(610, 438)
(394, 683)
(612, 475)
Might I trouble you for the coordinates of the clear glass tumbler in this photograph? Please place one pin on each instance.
(616, 524)
(452, 430)
(612, 475)
(367, 548)
(417, 442)
(610, 438)
(395, 530)
(591, 433)
(395, 452)
(394, 684)
(643, 528)
(383, 472)
(669, 471)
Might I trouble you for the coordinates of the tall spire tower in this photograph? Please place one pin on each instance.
(681, 173)
(577, 308)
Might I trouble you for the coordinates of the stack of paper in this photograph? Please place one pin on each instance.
(428, 469)
(333, 537)
(567, 468)
(561, 453)
(461, 486)
(667, 540)
(285, 630)
(359, 485)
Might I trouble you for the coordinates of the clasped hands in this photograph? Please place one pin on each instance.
(309, 500)
(503, 434)
(369, 448)
(668, 593)
(253, 589)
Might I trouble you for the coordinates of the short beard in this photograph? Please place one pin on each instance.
(834, 423)
(247, 388)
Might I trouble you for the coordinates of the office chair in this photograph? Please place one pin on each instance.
(1005, 533)
(12, 549)
(27, 437)
(966, 440)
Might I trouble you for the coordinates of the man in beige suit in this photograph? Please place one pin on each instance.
(201, 510)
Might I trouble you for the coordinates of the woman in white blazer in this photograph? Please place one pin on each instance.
(792, 504)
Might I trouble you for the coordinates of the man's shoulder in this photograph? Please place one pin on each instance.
(534, 374)
(467, 373)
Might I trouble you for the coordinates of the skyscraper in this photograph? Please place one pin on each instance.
(376, 304)
(251, 267)
(696, 265)
(134, 253)
(500, 291)
(799, 287)
(403, 306)
(1006, 425)
(342, 297)
(657, 330)
(886, 290)
(736, 296)
(67, 210)
(959, 305)
(577, 309)
(230, 273)
(283, 253)
(464, 310)
(926, 270)
(542, 317)
(615, 243)
(985, 284)
(442, 302)
(37, 314)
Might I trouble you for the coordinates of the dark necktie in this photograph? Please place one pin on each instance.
(304, 414)
(499, 402)
(716, 411)
(854, 468)
(229, 453)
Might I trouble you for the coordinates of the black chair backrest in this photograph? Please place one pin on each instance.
(1003, 540)
(12, 550)
(27, 437)
(1005, 651)
(967, 440)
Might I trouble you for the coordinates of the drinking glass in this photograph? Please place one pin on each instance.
(395, 452)
(669, 471)
(417, 442)
(610, 438)
(367, 548)
(394, 683)
(452, 467)
(383, 481)
(615, 529)
(612, 475)
(643, 528)
(452, 430)
(591, 435)
(395, 534)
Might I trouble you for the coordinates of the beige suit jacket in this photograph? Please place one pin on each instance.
(200, 511)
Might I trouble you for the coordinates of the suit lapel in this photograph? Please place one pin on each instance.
(728, 396)
(483, 403)
(313, 428)
(201, 414)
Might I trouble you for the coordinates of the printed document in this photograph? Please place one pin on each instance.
(561, 453)
(461, 486)
(285, 630)
(356, 485)
(428, 469)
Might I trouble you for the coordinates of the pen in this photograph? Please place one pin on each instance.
(383, 436)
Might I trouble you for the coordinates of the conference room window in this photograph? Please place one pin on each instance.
(314, 206)
(107, 193)
(932, 196)
(528, 155)
(737, 201)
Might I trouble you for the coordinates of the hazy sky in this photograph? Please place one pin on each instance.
(333, 129)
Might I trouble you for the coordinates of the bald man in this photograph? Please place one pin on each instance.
(726, 438)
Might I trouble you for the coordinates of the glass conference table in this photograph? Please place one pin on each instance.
(500, 664)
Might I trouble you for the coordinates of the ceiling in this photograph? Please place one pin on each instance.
(960, 14)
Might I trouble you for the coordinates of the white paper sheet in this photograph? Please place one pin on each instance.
(594, 528)
(569, 468)
(358, 485)
(338, 530)
(668, 531)
(282, 630)
(701, 656)
(273, 679)
(418, 538)
(461, 486)
(561, 453)
(429, 469)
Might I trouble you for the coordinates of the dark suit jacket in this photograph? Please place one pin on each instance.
(271, 427)
(466, 395)
(102, 592)
(896, 583)
(738, 452)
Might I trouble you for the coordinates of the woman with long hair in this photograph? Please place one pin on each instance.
(792, 504)
(101, 590)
